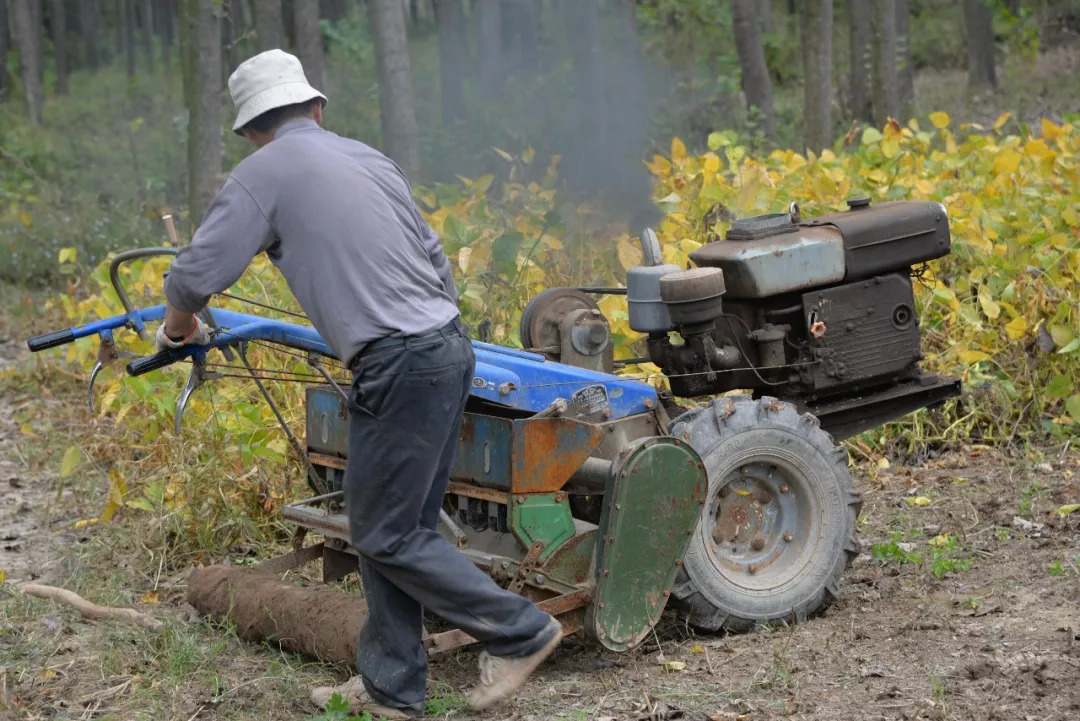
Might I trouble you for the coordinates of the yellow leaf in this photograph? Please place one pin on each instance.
(87, 522)
(70, 461)
(504, 155)
(697, 648)
(678, 150)
(629, 253)
(67, 255)
(25, 219)
(1007, 162)
(989, 305)
(3, 575)
(883, 463)
(27, 430)
(117, 491)
(1069, 216)
(1017, 327)
(674, 666)
(940, 540)
(712, 163)
(463, 259)
(970, 357)
(149, 597)
(918, 501)
(528, 155)
(890, 148)
(1049, 130)
(940, 120)
(1002, 119)
(660, 166)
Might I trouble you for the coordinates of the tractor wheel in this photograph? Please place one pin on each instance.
(778, 525)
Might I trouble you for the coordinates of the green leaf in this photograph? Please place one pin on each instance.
(70, 461)
(1060, 386)
(142, 503)
(1072, 347)
(1073, 407)
(871, 136)
(504, 252)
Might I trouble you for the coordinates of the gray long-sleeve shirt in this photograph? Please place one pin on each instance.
(338, 218)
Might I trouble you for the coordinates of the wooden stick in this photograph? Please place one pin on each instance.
(170, 228)
(87, 609)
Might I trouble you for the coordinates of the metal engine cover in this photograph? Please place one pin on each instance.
(871, 333)
(778, 264)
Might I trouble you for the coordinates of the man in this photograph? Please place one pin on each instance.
(339, 220)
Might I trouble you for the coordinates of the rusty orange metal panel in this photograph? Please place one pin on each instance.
(547, 451)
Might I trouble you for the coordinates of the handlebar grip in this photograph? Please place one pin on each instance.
(50, 340)
(161, 359)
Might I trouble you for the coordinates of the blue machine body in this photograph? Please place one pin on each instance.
(524, 381)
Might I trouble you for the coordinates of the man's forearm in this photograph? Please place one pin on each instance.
(178, 324)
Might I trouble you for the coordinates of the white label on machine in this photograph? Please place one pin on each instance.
(591, 399)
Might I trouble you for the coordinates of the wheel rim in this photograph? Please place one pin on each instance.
(763, 523)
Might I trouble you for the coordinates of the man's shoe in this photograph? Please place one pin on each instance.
(354, 693)
(500, 675)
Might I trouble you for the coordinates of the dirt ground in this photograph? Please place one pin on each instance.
(995, 637)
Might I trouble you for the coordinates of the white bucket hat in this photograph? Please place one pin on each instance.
(269, 80)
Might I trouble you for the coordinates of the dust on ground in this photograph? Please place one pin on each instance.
(965, 605)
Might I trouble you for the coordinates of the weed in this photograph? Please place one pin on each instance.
(1056, 568)
(895, 551)
(1028, 497)
(944, 556)
(337, 709)
(1003, 534)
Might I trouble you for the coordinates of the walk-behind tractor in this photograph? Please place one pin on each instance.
(605, 500)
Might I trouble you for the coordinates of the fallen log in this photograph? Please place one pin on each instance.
(319, 621)
(88, 609)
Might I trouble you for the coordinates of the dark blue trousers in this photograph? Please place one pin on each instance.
(406, 407)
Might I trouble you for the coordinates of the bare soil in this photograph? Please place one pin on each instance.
(996, 636)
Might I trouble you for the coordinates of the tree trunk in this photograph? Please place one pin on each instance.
(764, 11)
(401, 135)
(165, 16)
(5, 48)
(146, 19)
(309, 46)
(489, 46)
(24, 32)
(580, 17)
(755, 74)
(520, 37)
(905, 69)
(333, 10)
(60, 46)
(288, 25)
(817, 63)
(201, 52)
(119, 8)
(88, 17)
(886, 88)
(39, 38)
(450, 22)
(129, 36)
(980, 44)
(862, 60)
(414, 13)
(269, 25)
(238, 29)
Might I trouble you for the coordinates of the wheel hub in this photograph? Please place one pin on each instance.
(759, 530)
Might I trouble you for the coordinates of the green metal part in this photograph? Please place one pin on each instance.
(651, 508)
(543, 517)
